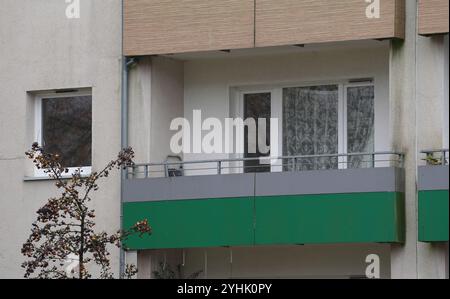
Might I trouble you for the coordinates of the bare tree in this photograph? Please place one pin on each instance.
(65, 225)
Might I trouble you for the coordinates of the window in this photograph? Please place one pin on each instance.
(64, 126)
(312, 119)
(320, 119)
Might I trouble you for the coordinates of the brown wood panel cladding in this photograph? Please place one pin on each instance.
(433, 16)
(175, 26)
(285, 22)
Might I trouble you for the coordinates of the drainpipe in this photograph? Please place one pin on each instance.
(123, 144)
(126, 64)
(123, 137)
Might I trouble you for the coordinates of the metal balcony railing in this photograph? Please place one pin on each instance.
(279, 164)
(436, 157)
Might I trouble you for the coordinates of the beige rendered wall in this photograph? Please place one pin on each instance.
(40, 49)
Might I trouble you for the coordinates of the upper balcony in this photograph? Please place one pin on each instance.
(433, 196)
(312, 199)
(433, 17)
(167, 27)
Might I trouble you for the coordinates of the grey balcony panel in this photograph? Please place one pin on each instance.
(389, 179)
(189, 187)
(265, 184)
(433, 178)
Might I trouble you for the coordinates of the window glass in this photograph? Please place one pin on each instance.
(257, 106)
(360, 125)
(67, 129)
(310, 126)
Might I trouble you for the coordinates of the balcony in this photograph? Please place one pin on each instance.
(302, 22)
(433, 17)
(433, 197)
(163, 27)
(168, 27)
(229, 202)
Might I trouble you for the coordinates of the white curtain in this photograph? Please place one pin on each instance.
(360, 125)
(310, 126)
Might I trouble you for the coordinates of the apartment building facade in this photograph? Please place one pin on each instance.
(358, 90)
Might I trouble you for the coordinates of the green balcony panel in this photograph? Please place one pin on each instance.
(433, 216)
(192, 223)
(330, 218)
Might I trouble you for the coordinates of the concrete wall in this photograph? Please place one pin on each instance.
(167, 103)
(431, 131)
(446, 129)
(155, 98)
(446, 94)
(139, 109)
(417, 91)
(40, 49)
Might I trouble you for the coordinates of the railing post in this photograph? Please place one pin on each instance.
(373, 160)
(219, 167)
(443, 158)
(133, 171)
(146, 171)
(427, 157)
(166, 170)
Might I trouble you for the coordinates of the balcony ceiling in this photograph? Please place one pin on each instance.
(279, 50)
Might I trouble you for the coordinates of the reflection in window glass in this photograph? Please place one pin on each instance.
(67, 129)
(360, 125)
(310, 126)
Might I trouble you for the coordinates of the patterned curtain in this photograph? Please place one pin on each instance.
(310, 126)
(360, 125)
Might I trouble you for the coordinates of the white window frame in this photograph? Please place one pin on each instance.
(85, 170)
(276, 91)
